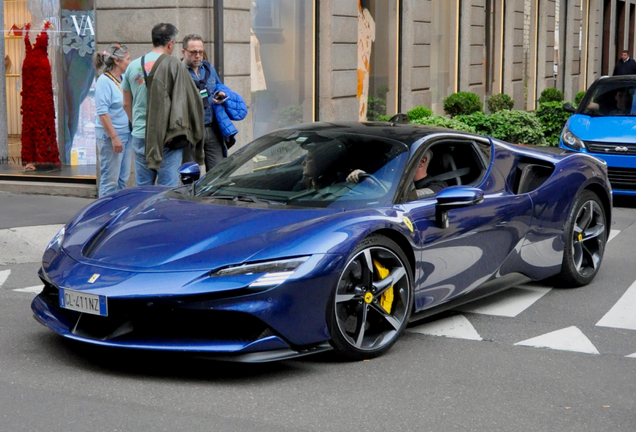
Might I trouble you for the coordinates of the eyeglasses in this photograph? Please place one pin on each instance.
(118, 47)
(194, 52)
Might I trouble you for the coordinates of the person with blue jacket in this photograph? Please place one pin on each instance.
(220, 104)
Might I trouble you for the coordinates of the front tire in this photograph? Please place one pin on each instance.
(585, 240)
(371, 304)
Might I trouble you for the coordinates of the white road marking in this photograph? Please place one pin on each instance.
(613, 233)
(4, 274)
(631, 356)
(32, 290)
(25, 244)
(622, 314)
(509, 303)
(456, 326)
(567, 339)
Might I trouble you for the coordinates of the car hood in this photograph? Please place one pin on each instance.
(163, 233)
(604, 129)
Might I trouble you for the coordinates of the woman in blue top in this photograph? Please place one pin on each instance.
(112, 131)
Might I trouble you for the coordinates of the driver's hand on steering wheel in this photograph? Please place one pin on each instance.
(354, 176)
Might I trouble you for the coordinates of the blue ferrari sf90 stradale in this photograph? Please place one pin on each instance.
(323, 236)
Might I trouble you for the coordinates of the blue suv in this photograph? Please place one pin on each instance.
(604, 125)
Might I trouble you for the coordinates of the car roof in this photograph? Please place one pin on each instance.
(405, 133)
(628, 79)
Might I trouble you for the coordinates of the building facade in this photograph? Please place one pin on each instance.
(329, 60)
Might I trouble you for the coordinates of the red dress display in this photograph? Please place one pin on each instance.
(39, 141)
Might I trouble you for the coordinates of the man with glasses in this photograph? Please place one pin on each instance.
(165, 109)
(206, 79)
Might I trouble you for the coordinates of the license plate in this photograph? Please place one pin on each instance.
(83, 302)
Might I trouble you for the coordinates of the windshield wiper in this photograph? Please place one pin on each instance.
(247, 198)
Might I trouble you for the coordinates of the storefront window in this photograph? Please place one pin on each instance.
(77, 142)
(282, 52)
(377, 58)
(70, 54)
(16, 15)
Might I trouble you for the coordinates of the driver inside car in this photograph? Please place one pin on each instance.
(425, 186)
(321, 166)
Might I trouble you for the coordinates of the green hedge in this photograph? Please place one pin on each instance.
(462, 103)
(500, 101)
(440, 121)
(484, 124)
(579, 97)
(552, 117)
(551, 95)
(419, 112)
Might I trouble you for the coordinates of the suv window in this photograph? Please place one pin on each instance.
(610, 99)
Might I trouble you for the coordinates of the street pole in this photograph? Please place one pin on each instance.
(4, 138)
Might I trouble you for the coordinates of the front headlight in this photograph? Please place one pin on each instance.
(57, 240)
(275, 272)
(571, 140)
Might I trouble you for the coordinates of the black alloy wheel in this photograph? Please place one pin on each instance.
(372, 301)
(585, 240)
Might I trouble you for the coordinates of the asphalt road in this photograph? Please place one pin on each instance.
(480, 369)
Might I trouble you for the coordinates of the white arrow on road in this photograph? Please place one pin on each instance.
(567, 339)
(32, 290)
(622, 315)
(4, 275)
(456, 326)
(510, 303)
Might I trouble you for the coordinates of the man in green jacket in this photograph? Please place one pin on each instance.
(165, 108)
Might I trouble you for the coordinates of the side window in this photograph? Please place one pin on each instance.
(450, 162)
(456, 163)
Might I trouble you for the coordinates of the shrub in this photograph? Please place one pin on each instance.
(484, 124)
(375, 108)
(440, 121)
(290, 115)
(552, 117)
(579, 97)
(500, 101)
(551, 95)
(419, 112)
(517, 127)
(462, 103)
(383, 117)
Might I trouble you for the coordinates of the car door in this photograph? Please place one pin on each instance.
(478, 241)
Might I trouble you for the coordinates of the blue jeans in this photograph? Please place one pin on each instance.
(114, 167)
(168, 174)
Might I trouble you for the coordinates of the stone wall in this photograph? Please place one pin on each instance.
(338, 61)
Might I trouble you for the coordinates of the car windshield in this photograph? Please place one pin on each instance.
(309, 169)
(611, 99)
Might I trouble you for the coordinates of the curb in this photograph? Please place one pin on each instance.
(49, 188)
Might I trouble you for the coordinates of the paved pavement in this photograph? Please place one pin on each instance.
(534, 358)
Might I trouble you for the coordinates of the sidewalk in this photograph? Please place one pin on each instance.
(21, 210)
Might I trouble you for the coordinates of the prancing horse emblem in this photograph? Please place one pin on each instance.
(93, 278)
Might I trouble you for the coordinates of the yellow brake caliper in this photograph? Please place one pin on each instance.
(386, 300)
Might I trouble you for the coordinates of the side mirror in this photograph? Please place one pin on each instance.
(453, 198)
(189, 172)
(569, 107)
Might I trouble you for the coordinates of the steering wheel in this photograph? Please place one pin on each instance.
(374, 181)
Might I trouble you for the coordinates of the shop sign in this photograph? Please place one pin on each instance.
(85, 24)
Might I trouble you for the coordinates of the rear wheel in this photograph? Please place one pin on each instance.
(372, 301)
(585, 239)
